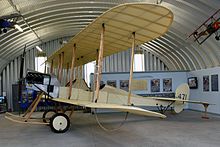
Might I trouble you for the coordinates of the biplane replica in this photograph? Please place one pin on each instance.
(209, 27)
(114, 31)
(8, 22)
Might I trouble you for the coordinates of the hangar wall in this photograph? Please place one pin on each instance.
(117, 62)
(178, 77)
(208, 96)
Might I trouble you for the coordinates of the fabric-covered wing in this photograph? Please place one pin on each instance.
(148, 21)
(130, 109)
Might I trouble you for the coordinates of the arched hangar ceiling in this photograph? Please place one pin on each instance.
(44, 20)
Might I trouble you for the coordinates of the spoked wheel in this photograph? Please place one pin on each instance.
(47, 115)
(59, 123)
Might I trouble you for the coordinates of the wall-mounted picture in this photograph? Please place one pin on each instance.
(167, 85)
(139, 84)
(155, 85)
(205, 83)
(214, 82)
(124, 84)
(193, 83)
(111, 83)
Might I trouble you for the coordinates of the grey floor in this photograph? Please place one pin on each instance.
(187, 129)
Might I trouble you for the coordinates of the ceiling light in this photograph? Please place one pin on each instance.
(39, 49)
(18, 27)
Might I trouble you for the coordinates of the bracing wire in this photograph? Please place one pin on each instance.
(110, 130)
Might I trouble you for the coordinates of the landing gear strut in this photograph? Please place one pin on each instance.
(162, 108)
(59, 123)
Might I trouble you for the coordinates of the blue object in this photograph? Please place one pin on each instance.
(5, 24)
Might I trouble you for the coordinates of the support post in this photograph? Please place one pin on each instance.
(205, 116)
(95, 75)
(81, 72)
(30, 107)
(131, 68)
(61, 67)
(51, 67)
(67, 72)
(39, 97)
(59, 60)
(100, 63)
(80, 76)
(72, 70)
(77, 73)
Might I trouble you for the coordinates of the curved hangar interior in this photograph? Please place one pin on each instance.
(94, 71)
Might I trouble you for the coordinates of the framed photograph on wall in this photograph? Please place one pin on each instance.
(167, 85)
(193, 83)
(205, 83)
(155, 85)
(214, 82)
(138, 85)
(124, 84)
(112, 83)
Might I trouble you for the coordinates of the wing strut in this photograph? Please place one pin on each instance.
(67, 72)
(94, 77)
(131, 68)
(61, 67)
(51, 68)
(98, 77)
(71, 71)
(58, 72)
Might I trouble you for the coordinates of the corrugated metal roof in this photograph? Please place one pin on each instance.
(51, 19)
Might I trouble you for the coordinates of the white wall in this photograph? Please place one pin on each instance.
(177, 78)
(208, 96)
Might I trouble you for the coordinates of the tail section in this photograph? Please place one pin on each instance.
(182, 92)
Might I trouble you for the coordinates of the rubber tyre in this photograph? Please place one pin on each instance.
(46, 113)
(59, 123)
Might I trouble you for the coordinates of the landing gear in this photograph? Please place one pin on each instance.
(59, 123)
(47, 115)
(162, 108)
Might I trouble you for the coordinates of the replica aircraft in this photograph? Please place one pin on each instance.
(209, 27)
(114, 31)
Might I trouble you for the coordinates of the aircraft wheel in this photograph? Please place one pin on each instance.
(59, 123)
(47, 115)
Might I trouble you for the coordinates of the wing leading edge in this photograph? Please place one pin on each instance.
(123, 108)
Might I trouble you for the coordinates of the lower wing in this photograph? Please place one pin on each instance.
(123, 108)
(181, 100)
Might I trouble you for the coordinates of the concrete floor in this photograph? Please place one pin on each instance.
(183, 130)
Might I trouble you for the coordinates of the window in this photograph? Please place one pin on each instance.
(139, 62)
(40, 64)
(89, 68)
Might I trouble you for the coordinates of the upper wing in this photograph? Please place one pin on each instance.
(180, 100)
(130, 109)
(148, 21)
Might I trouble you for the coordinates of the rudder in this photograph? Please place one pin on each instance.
(182, 92)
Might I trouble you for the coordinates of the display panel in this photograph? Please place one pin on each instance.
(112, 83)
(193, 83)
(155, 85)
(124, 84)
(214, 82)
(205, 83)
(167, 85)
